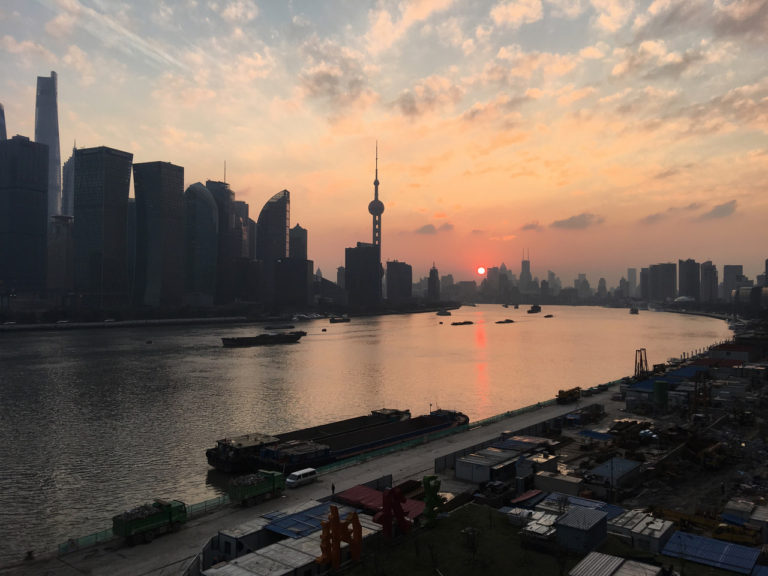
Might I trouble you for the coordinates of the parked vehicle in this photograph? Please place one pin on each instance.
(255, 488)
(145, 522)
(301, 477)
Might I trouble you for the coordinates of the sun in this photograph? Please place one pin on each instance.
(481, 270)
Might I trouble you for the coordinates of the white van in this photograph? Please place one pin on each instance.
(301, 477)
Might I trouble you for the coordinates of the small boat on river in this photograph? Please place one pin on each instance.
(338, 319)
(263, 339)
(462, 323)
(535, 309)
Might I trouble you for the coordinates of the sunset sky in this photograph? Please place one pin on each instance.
(596, 134)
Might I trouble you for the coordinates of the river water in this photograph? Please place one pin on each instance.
(93, 422)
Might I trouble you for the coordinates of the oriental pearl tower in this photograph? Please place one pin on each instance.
(376, 207)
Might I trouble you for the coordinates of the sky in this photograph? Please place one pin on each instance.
(592, 135)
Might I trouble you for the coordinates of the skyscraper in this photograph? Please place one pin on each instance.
(3, 133)
(272, 228)
(376, 207)
(68, 186)
(225, 262)
(632, 282)
(23, 214)
(663, 281)
(102, 182)
(202, 245)
(399, 282)
(433, 284)
(298, 243)
(709, 282)
(362, 267)
(689, 278)
(47, 132)
(160, 219)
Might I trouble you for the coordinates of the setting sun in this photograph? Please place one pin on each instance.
(481, 270)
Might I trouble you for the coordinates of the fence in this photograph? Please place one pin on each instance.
(207, 506)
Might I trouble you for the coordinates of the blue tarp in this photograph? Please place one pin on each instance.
(711, 552)
(303, 523)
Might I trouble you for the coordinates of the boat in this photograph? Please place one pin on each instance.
(634, 310)
(443, 312)
(549, 316)
(535, 309)
(327, 443)
(505, 321)
(338, 319)
(462, 323)
(280, 327)
(263, 339)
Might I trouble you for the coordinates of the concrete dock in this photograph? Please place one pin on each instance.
(170, 554)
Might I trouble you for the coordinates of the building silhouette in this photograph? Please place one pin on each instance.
(47, 132)
(362, 275)
(226, 270)
(3, 132)
(201, 245)
(645, 284)
(433, 285)
(298, 243)
(61, 256)
(102, 182)
(689, 275)
(68, 185)
(733, 279)
(160, 221)
(376, 206)
(341, 274)
(709, 282)
(272, 241)
(23, 215)
(632, 282)
(663, 281)
(524, 284)
(399, 282)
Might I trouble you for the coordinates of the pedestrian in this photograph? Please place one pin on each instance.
(333, 488)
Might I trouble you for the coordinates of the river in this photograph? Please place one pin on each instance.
(93, 422)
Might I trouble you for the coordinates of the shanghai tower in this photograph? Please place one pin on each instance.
(47, 132)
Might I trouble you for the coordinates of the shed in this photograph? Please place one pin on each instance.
(712, 552)
(614, 472)
(643, 530)
(580, 530)
(597, 564)
(244, 538)
(551, 482)
(486, 465)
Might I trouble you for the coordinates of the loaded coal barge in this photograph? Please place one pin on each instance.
(320, 445)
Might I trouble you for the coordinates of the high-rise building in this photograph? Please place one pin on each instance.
(376, 207)
(645, 284)
(433, 285)
(399, 282)
(524, 284)
(23, 215)
(362, 275)
(3, 132)
(663, 281)
(709, 282)
(68, 186)
(160, 223)
(102, 183)
(226, 258)
(298, 243)
(61, 255)
(273, 240)
(632, 282)
(689, 274)
(341, 277)
(202, 245)
(732, 275)
(47, 132)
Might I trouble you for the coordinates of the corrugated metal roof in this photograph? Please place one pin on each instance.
(304, 522)
(711, 552)
(634, 568)
(596, 564)
(760, 571)
(581, 518)
(615, 468)
(611, 510)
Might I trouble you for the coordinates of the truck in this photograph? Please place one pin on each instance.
(254, 488)
(145, 522)
(568, 396)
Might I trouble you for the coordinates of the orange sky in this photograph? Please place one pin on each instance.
(598, 134)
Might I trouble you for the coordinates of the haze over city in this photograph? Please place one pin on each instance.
(598, 135)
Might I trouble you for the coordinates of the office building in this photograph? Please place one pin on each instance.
(272, 240)
(102, 183)
(293, 283)
(632, 282)
(433, 285)
(68, 186)
(524, 284)
(226, 268)
(47, 132)
(663, 282)
(61, 255)
(733, 278)
(399, 282)
(645, 284)
(709, 282)
(3, 132)
(689, 274)
(298, 243)
(363, 275)
(201, 245)
(160, 222)
(23, 215)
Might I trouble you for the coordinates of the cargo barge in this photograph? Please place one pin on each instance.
(320, 445)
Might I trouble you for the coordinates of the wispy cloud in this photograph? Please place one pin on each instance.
(578, 222)
(532, 226)
(720, 211)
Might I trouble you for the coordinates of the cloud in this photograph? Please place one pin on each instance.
(720, 211)
(431, 93)
(240, 11)
(566, 8)
(532, 226)
(653, 218)
(445, 227)
(334, 73)
(426, 229)
(26, 48)
(612, 14)
(516, 13)
(386, 29)
(578, 222)
(746, 18)
(79, 61)
(672, 210)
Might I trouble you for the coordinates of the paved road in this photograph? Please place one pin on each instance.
(171, 554)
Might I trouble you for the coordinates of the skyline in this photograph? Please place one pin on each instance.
(597, 135)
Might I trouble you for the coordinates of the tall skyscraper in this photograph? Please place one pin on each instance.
(202, 245)
(47, 132)
(160, 219)
(663, 281)
(102, 183)
(632, 282)
(524, 284)
(298, 243)
(709, 282)
(376, 207)
(399, 282)
(362, 268)
(732, 274)
(433, 285)
(23, 215)
(61, 256)
(689, 274)
(273, 228)
(68, 186)
(3, 132)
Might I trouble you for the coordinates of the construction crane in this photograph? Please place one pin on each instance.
(641, 363)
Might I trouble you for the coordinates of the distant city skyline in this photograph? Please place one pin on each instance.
(597, 135)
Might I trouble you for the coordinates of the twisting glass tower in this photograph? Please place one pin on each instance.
(376, 207)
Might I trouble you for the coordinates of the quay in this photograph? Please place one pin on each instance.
(170, 554)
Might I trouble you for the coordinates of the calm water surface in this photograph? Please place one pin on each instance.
(96, 421)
